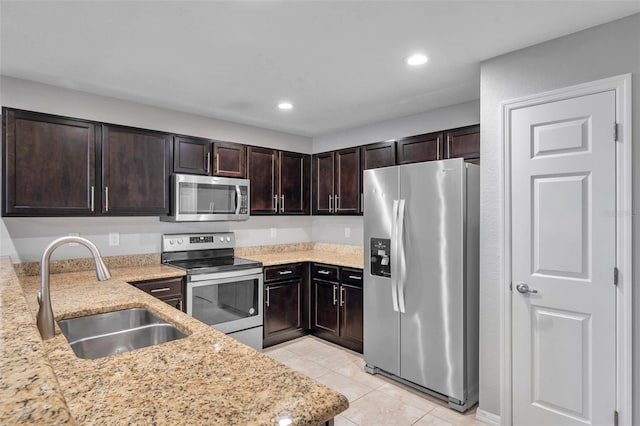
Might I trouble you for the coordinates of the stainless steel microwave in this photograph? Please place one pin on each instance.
(208, 198)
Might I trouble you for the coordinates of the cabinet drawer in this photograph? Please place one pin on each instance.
(351, 276)
(161, 288)
(280, 272)
(324, 272)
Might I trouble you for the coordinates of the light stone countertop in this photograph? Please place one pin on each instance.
(333, 254)
(205, 378)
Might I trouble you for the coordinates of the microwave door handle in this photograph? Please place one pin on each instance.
(238, 199)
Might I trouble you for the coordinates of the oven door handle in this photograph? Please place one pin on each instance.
(215, 277)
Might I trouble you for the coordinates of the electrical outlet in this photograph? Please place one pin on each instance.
(274, 232)
(347, 232)
(114, 238)
(73, 234)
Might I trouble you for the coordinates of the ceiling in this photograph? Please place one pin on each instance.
(341, 63)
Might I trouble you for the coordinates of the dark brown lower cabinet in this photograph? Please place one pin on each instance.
(337, 305)
(284, 298)
(169, 290)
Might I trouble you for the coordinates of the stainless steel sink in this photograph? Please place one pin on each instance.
(110, 333)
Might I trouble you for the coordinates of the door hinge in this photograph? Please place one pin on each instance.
(615, 132)
(615, 275)
(615, 418)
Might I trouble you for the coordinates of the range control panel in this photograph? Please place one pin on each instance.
(206, 241)
(381, 257)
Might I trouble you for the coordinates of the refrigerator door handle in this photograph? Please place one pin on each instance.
(394, 255)
(401, 267)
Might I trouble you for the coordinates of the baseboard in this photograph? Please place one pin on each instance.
(487, 417)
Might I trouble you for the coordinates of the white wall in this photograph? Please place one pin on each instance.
(331, 229)
(24, 238)
(599, 52)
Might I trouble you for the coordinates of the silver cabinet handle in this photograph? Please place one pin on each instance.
(448, 146)
(92, 194)
(324, 272)
(267, 302)
(285, 272)
(217, 170)
(341, 296)
(330, 203)
(275, 203)
(106, 198)
(355, 277)
(179, 307)
(337, 203)
(524, 288)
(335, 294)
(208, 162)
(282, 203)
(158, 290)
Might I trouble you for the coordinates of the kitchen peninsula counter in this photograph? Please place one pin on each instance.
(204, 378)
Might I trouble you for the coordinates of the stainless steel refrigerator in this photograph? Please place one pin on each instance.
(421, 277)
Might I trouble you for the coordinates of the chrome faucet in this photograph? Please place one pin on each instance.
(44, 319)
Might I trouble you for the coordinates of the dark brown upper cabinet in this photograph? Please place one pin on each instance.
(379, 154)
(191, 155)
(229, 159)
(136, 165)
(279, 181)
(336, 182)
(208, 157)
(49, 165)
(463, 142)
(414, 149)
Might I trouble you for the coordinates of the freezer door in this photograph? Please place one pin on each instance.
(381, 318)
(431, 276)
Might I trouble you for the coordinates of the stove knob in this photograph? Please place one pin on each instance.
(222, 239)
(171, 242)
(180, 241)
(228, 238)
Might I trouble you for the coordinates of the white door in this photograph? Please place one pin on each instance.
(563, 248)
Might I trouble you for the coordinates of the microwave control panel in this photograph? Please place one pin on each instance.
(381, 257)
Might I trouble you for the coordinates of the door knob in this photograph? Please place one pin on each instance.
(524, 288)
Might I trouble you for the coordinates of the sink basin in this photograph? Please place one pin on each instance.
(110, 333)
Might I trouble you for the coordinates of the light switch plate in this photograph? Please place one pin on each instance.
(274, 232)
(114, 238)
(347, 232)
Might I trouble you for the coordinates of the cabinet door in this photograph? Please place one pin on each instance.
(323, 172)
(136, 169)
(49, 165)
(325, 306)
(351, 316)
(379, 154)
(191, 155)
(262, 172)
(419, 148)
(294, 183)
(464, 142)
(347, 184)
(229, 159)
(283, 310)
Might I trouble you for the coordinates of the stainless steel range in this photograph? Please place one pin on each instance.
(222, 290)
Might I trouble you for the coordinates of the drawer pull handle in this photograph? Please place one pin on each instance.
(323, 272)
(355, 277)
(158, 290)
(285, 272)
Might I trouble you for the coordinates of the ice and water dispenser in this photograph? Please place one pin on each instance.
(381, 257)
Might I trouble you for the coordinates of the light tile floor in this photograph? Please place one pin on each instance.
(373, 399)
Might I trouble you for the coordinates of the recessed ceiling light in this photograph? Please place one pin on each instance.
(417, 59)
(285, 105)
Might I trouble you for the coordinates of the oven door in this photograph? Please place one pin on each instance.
(227, 301)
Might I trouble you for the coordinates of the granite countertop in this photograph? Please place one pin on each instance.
(206, 377)
(333, 254)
